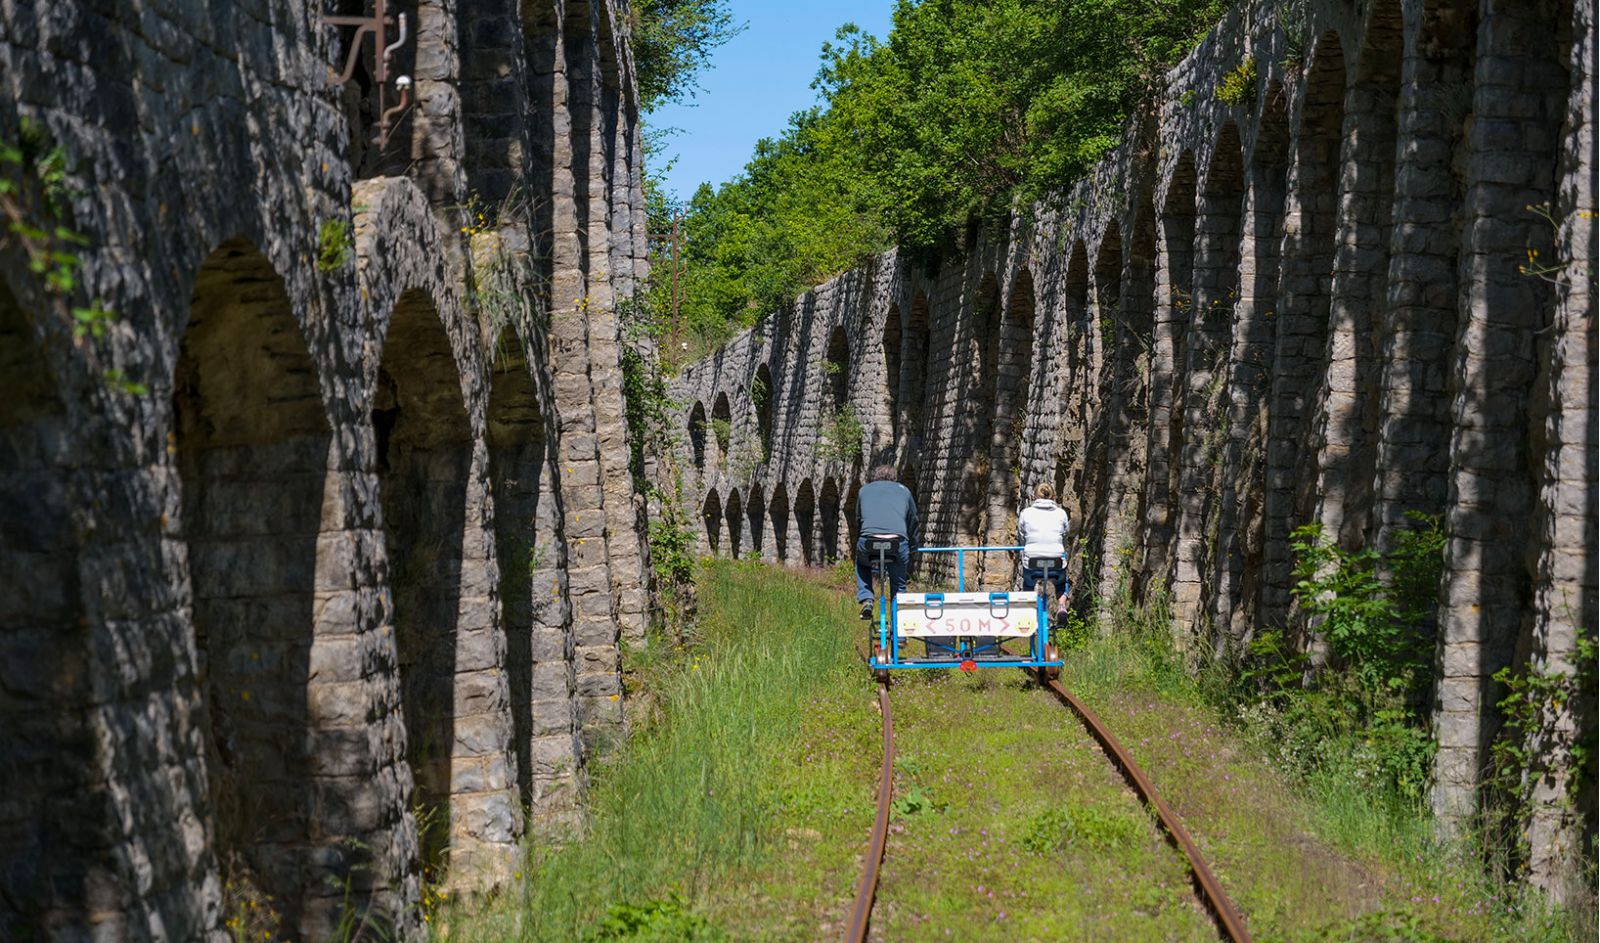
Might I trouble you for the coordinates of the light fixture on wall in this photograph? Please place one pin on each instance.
(377, 27)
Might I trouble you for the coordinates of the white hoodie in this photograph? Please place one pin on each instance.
(1042, 529)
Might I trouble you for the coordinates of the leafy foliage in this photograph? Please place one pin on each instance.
(1238, 86)
(335, 245)
(1537, 705)
(666, 921)
(35, 192)
(968, 109)
(1093, 826)
(1366, 709)
(841, 436)
(672, 43)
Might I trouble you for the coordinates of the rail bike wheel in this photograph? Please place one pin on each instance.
(1052, 672)
(880, 675)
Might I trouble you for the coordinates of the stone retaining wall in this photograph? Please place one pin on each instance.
(335, 605)
(1302, 307)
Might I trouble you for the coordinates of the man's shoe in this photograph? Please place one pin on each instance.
(866, 612)
(1061, 616)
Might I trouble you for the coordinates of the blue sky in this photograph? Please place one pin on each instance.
(755, 83)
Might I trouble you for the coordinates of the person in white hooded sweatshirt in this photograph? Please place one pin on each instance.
(1042, 529)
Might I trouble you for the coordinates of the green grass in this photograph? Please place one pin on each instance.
(1328, 857)
(698, 793)
(1025, 831)
(740, 806)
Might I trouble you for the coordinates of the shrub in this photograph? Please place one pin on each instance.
(1238, 86)
(840, 436)
(1364, 712)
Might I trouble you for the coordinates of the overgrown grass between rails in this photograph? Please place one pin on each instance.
(688, 800)
(1432, 890)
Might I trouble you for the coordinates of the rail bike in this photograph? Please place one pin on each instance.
(961, 629)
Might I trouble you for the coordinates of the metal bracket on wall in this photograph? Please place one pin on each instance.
(377, 27)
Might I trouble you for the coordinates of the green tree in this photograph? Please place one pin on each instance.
(672, 44)
(968, 110)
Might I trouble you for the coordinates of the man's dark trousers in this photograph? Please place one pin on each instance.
(898, 559)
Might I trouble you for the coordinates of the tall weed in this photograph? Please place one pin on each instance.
(689, 798)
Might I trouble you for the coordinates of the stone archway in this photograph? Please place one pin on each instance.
(530, 554)
(722, 427)
(836, 367)
(734, 512)
(697, 434)
(778, 514)
(711, 518)
(762, 395)
(805, 517)
(1300, 347)
(424, 459)
(829, 505)
(252, 449)
(892, 343)
(914, 371)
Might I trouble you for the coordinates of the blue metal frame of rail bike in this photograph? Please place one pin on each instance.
(889, 636)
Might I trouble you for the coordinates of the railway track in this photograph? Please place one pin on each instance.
(1230, 925)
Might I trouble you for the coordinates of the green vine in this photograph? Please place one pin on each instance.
(670, 535)
(34, 193)
(1534, 737)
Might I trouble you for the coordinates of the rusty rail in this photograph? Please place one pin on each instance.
(1229, 923)
(1212, 895)
(867, 889)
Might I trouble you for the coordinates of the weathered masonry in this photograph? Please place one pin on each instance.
(1301, 305)
(335, 602)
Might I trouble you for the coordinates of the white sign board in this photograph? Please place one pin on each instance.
(935, 615)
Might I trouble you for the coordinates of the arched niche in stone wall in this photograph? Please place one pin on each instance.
(892, 341)
(1414, 439)
(1137, 305)
(1077, 383)
(828, 505)
(805, 519)
(914, 372)
(1215, 299)
(1220, 208)
(755, 510)
(722, 426)
(734, 511)
(525, 547)
(711, 520)
(43, 645)
(697, 434)
(1138, 298)
(1174, 320)
(1310, 227)
(762, 396)
(424, 455)
(1102, 534)
(979, 412)
(778, 515)
(252, 445)
(1013, 369)
(1358, 310)
(836, 369)
(1120, 345)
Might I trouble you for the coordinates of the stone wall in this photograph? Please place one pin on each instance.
(334, 603)
(1306, 306)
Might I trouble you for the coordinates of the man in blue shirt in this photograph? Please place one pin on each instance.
(884, 508)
